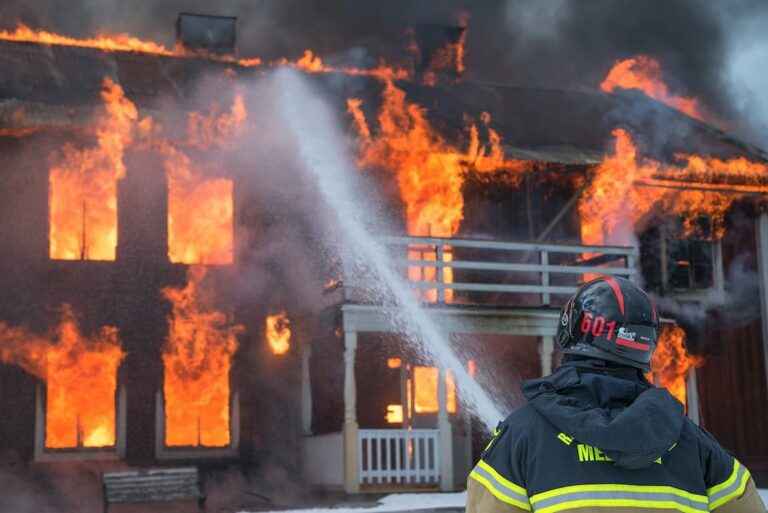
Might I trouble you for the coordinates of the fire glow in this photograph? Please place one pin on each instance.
(80, 373)
(625, 188)
(83, 185)
(672, 363)
(200, 210)
(429, 169)
(278, 333)
(197, 357)
(644, 73)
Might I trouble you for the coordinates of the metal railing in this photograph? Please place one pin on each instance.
(491, 272)
(399, 456)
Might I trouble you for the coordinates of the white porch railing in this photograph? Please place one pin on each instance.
(399, 456)
(498, 269)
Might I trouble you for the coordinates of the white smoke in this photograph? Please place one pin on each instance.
(745, 72)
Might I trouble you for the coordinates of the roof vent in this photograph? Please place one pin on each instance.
(215, 34)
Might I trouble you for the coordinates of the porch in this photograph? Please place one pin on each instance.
(470, 287)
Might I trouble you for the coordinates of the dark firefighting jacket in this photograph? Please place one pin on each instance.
(596, 438)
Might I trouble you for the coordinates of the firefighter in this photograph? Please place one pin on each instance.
(595, 436)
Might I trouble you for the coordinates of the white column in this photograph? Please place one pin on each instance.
(546, 349)
(350, 430)
(39, 424)
(306, 387)
(762, 265)
(446, 435)
(692, 396)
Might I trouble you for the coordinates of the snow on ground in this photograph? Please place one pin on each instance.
(416, 501)
(397, 502)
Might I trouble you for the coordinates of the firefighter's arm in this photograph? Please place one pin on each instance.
(730, 488)
(748, 502)
(496, 484)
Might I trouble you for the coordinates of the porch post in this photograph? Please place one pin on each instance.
(762, 265)
(306, 387)
(350, 431)
(446, 438)
(692, 397)
(546, 349)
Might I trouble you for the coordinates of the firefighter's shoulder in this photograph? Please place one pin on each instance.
(730, 487)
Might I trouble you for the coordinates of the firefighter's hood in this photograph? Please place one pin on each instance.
(630, 421)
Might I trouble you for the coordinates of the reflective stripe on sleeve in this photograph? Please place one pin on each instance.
(731, 488)
(615, 495)
(501, 488)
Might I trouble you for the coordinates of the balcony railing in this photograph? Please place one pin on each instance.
(488, 272)
(400, 456)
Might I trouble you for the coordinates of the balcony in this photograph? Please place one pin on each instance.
(469, 286)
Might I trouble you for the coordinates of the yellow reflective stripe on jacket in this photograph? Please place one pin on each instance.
(500, 487)
(731, 488)
(619, 495)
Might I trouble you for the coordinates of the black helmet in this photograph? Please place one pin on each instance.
(610, 318)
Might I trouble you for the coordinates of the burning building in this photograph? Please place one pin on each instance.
(130, 225)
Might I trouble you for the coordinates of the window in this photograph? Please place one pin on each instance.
(691, 267)
(690, 264)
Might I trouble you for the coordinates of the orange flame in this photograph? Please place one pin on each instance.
(449, 57)
(625, 188)
(312, 63)
(116, 43)
(672, 363)
(394, 414)
(81, 379)
(428, 168)
(644, 73)
(278, 333)
(200, 211)
(197, 358)
(425, 390)
(83, 185)
(106, 42)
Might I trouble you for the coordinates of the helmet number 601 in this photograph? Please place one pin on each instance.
(596, 325)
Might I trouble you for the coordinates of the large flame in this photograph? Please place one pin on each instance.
(200, 210)
(429, 169)
(644, 73)
(278, 333)
(626, 187)
(425, 384)
(197, 358)
(81, 379)
(83, 185)
(672, 363)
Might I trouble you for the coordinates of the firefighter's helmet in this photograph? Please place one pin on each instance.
(610, 318)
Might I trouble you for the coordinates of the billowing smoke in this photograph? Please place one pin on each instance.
(557, 43)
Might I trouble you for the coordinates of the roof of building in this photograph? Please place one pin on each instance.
(59, 85)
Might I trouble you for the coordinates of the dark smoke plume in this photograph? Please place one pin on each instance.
(703, 50)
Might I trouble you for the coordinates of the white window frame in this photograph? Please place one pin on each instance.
(163, 452)
(115, 452)
(713, 294)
